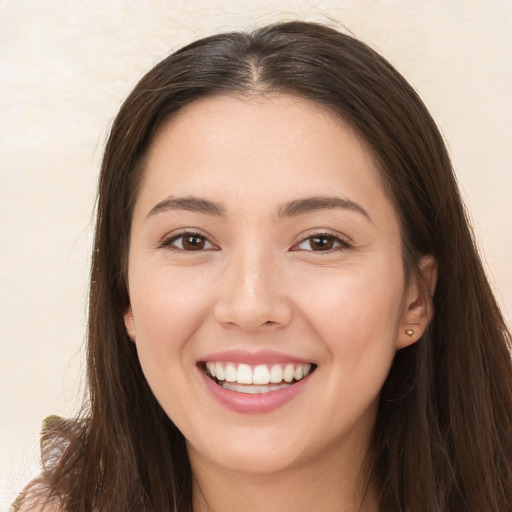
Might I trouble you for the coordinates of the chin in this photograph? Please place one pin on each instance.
(250, 454)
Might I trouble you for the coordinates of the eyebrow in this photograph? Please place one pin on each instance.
(291, 209)
(191, 204)
(311, 204)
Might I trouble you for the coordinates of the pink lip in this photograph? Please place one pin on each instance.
(253, 358)
(260, 403)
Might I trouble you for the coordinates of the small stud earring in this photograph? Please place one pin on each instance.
(409, 332)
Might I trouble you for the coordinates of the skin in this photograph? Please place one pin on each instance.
(255, 280)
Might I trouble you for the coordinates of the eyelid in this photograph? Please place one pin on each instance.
(344, 241)
(167, 241)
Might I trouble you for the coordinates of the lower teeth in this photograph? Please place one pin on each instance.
(253, 389)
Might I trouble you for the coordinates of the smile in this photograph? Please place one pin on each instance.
(256, 379)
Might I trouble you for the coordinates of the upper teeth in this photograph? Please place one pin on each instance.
(259, 374)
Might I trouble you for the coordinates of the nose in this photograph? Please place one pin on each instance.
(252, 295)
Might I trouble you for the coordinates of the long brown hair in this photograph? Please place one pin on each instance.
(443, 437)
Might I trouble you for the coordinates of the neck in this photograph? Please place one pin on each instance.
(333, 483)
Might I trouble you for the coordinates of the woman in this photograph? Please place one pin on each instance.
(287, 310)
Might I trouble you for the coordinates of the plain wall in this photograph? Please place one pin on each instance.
(65, 67)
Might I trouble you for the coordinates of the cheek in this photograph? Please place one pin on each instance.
(357, 314)
(161, 298)
(168, 309)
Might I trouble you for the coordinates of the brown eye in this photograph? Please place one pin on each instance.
(193, 243)
(321, 243)
(188, 242)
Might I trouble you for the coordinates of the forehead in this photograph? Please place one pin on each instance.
(268, 119)
(273, 147)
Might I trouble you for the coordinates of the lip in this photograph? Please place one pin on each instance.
(253, 358)
(260, 403)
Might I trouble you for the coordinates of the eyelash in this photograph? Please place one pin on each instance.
(340, 242)
(169, 241)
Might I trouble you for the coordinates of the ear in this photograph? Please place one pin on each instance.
(418, 309)
(129, 323)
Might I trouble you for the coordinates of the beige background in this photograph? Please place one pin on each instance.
(64, 69)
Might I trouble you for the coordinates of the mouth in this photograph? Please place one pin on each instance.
(256, 379)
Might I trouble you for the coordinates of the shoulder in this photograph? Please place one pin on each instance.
(38, 495)
(36, 507)
(35, 498)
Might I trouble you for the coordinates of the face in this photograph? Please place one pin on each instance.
(266, 281)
